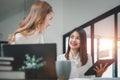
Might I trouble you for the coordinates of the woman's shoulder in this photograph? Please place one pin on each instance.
(18, 35)
(19, 38)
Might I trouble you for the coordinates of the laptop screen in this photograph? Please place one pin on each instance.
(39, 58)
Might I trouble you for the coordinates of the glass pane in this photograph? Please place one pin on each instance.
(118, 45)
(105, 27)
(104, 34)
(106, 52)
(118, 59)
(87, 30)
(66, 46)
(105, 49)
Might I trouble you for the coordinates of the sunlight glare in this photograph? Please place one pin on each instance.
(106, 44)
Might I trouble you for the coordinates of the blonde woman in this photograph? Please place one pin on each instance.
(32, 28)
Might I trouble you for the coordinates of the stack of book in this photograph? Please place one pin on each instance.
(5, 63)
(6, 71)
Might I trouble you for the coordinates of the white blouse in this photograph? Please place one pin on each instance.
(77, 70)
(32, 39)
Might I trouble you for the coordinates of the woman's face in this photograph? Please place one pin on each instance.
(48, 19)
(74, 41)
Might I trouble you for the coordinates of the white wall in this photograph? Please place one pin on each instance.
(68, 14)
(55, 31)
(78, 12)
(9, 25)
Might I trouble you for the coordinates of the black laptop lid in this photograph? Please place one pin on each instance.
(39, 58)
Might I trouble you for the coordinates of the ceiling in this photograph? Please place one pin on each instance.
(10, 7)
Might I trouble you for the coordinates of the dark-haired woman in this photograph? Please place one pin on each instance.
(77, 54)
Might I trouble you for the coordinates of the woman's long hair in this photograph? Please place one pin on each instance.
(35, 18)
(83, 46)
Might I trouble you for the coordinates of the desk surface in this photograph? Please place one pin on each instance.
(73, 79)
(95, 79)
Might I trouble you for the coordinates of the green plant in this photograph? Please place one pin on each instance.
(31, 62)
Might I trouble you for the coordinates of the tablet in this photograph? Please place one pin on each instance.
(90, 71)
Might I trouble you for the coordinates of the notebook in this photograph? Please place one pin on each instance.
(37, 60)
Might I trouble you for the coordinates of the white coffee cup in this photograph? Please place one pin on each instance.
(63, 69)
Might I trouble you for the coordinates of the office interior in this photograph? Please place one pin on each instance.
(99, 18)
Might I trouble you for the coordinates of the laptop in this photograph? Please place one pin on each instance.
(37, 60)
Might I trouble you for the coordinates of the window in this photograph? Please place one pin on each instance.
(103, 49)
(118, 59)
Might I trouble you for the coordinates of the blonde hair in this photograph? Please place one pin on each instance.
(35, 18)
